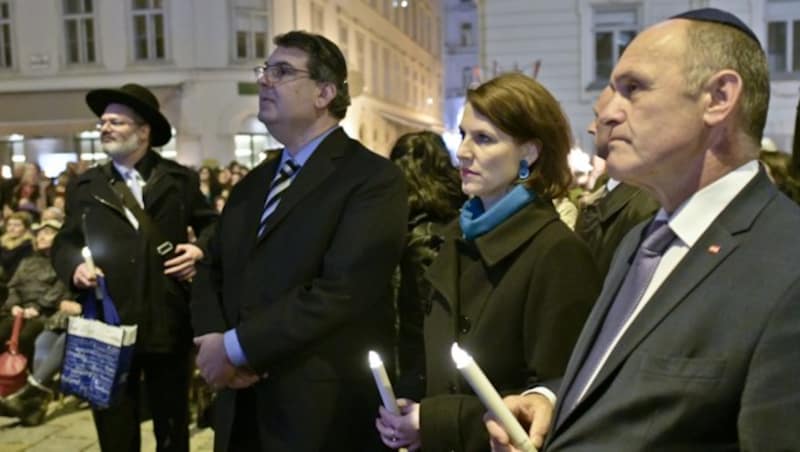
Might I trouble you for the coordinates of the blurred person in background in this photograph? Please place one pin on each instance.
(16, 243)
(611, 210)
(44, 300)
(778, 165)
(434, 199)
(209, 184)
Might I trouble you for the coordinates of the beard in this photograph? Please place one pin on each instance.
(121, 148)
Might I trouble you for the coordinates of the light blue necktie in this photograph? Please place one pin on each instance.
(657, 240)
(135, 182)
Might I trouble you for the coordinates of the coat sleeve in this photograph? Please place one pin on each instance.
(66, 251)
(13, 298)
(355, 274)
(206, 305)
(562, 291)
(453, 422)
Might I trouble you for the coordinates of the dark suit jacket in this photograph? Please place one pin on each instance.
(516, 299)
(311, 297)
(604, 223)
(134, 271)
(712, 361)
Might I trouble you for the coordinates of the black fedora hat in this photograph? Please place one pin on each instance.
(139, 99)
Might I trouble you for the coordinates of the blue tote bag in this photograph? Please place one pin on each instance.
(98, 353)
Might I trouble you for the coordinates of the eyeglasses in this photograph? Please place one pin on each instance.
(277, 73)
(114, 123)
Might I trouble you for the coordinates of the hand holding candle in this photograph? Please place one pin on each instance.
(491, 399)
(87, 258)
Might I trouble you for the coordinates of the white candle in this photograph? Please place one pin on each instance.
(383, 383)
(490, 398)
(87, 258)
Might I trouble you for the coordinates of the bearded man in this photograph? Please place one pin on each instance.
(133, 213)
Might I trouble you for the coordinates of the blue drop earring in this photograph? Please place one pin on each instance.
(524, 170)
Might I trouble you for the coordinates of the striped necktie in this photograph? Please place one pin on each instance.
(281, 182)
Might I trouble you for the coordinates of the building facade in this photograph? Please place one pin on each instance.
(462, 68)
(197, 56)
(572, 45)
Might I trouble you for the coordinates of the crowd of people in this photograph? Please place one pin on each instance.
(653, 310)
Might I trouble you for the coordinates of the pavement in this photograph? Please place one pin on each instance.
(69, 428)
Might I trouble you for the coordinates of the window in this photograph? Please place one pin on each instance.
(466, 77)
(251, 34)
(6, 60)
(149, 36)
(317, 20)
(344, 40)
(613, 30)
(387, 73)
(783, 38)
(466, 34)
(79, 35)
(374, 64)
(360, 57)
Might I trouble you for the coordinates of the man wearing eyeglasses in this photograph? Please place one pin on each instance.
(296, 289)
(133, 213)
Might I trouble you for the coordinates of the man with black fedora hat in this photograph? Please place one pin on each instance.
(692, 344)
(133, 214)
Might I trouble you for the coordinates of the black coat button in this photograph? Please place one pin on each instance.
(464, 324)
(452, 388)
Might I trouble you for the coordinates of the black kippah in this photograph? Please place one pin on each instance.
(719, 16)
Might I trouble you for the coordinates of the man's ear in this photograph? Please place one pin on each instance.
(722, 94)
(530, 151)
(327, 92)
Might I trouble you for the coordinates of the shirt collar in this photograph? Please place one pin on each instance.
(144, 166)
(304, 153)
(696, 214)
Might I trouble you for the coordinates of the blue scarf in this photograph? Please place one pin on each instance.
(475, 221)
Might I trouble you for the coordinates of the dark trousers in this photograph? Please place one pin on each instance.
(244, 436)
(166, 380)
(27, 335)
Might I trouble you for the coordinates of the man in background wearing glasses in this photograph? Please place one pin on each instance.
(295, 289)
(133, 213)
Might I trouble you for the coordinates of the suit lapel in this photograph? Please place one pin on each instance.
(500, 243)
(712, 248)
(157, 186)
(103, 192)
(443, 271)
(318, 167)
(616, 274)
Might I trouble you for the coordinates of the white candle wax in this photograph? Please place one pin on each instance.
(383, 383)
(490, 398)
